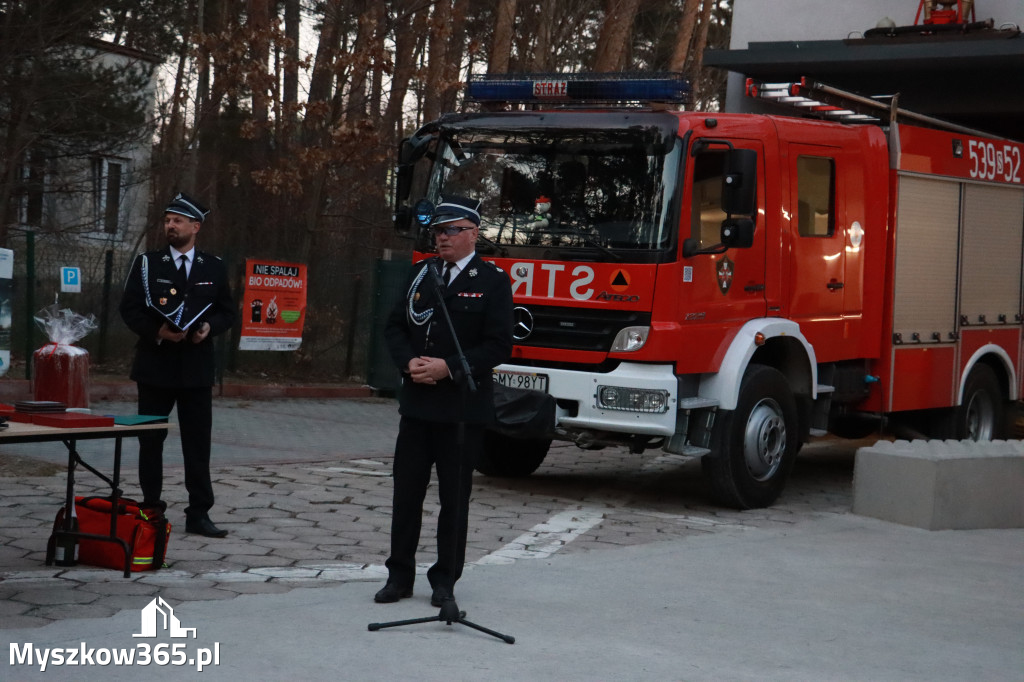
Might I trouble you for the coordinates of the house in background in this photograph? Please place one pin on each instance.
(100, 196)
(83, 204)
(973, 77)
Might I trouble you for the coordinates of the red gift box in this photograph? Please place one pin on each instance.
(61, 373)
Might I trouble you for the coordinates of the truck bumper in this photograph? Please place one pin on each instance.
(578, 407)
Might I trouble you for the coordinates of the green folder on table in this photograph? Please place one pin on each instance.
(136, 419)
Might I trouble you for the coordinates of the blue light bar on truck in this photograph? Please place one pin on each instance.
(578, 87)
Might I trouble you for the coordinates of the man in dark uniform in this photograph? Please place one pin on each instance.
(177, 299)
(433, 398)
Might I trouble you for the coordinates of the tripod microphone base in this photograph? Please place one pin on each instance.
(448, 614)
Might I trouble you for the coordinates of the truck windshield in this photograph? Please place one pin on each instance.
(600, 195)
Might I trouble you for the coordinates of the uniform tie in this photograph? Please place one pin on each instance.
(447, 276)
(183, 269)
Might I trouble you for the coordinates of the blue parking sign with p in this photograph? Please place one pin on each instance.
(71, 279)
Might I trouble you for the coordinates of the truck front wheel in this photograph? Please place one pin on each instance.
(981, 415)
(506, 457)
(755, 445)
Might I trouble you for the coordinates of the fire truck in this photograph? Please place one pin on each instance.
(727, 286)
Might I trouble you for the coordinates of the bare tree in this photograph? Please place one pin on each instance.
(360, 57)
(687, 24)
(438, 46)
(615, 34)
(290, 70)
(453, 60)
(700, 43)
(501, 44)
(543, 57)
(408, 43)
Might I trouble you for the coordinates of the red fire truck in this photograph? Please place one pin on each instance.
(726, 286)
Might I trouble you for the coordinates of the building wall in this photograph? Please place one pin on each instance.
(796, 20)
(775, 20)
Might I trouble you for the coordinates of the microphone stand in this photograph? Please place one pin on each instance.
(450, 612)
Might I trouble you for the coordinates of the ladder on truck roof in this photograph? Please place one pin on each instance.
(831, 103)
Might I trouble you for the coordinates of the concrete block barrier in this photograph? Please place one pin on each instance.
(940, 485)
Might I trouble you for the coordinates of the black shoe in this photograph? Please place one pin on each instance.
(441, 595)
(204, 526)
(391, 593)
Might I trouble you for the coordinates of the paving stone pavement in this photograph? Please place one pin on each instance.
(303, 487)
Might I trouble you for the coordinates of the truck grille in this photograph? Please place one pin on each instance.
(575, 328)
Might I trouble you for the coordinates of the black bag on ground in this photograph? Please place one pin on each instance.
(521, 413)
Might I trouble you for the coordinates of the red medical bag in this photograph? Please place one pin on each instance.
(144, 529)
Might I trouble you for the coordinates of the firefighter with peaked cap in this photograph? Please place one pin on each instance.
(176, 300)
(433, 398)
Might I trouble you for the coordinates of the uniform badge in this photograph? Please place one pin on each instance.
(472, 272)
(163, 301)
(173, 292)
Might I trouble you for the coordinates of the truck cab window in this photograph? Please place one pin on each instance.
(706, 214)
(815, 196)
(604, 194)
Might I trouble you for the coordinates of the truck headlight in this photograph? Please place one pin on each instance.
(630, 339)
(632, 399)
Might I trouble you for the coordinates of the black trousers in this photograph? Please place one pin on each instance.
(195, 422)
(421, 446)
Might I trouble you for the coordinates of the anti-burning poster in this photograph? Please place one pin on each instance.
(274, 305)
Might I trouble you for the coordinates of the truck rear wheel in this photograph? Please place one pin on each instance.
(506, 457)
(755, 445)
(981, 414)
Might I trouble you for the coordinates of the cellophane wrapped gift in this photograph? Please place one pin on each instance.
(60, 368)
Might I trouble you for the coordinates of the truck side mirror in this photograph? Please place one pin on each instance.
(418, 217)
(738, 233)
(410, 150)
(739, 184)
(403, 184)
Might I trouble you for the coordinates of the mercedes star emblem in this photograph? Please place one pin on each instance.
(522, 323)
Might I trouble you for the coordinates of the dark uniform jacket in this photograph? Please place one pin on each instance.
(165, 363)
(479, 300)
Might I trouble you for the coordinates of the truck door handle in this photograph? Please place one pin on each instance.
(753, 288)
(834, 285)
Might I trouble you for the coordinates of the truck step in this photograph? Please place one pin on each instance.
(697, 403)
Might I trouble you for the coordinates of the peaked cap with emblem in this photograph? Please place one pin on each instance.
(454, 207)
(183, 204)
